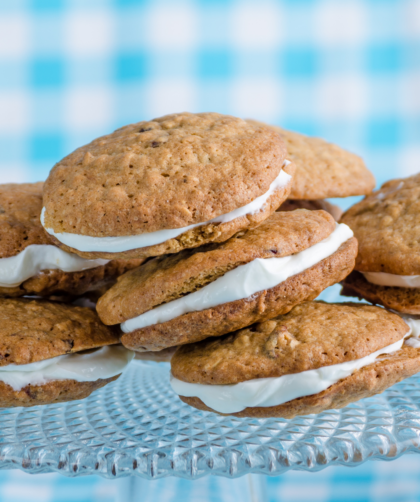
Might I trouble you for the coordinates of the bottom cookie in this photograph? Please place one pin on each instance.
(405, 300)
(317, 357)
(366, 382)
(57, 391)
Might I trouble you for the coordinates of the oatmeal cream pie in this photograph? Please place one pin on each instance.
(159, 187)
(30, 264)
(317, 357)
(323, 169)
(52, 352)
(213, 290)
(387, 226)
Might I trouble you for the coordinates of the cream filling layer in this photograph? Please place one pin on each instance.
(86, 243)
(102, 363)
(264, 392)
(399, 281)
(37, 257)
(414, 323)
(243, 281)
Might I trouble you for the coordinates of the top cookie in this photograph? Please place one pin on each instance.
(20, 208)
(323, 169)
(34, 330)
(387, 226)
(312, 335)
(169, 173)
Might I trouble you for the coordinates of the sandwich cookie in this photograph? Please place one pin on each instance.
(387, 226)
(312, 205)
(323, 169)
(159, 187)
(256, 275)
(30, 264)
(51, 352)
(317, 357)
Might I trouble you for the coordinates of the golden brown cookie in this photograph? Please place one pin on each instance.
(167, 279)
(323, 169)
(35, 331)
(20, 227)
(48, 329)
(311, 336)
(405, 300)
(169, 173)
(387, 226)
(312, 205)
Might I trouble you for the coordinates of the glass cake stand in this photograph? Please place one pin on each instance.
(137, 426)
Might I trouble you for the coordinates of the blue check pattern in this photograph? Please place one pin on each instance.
(346, 70)
(71, 70)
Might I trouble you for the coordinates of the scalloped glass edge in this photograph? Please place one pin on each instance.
(138, 426)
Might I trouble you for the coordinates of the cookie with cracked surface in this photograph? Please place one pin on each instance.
(161, 186)
(387, 226)
(211, 291)
(323, 169)
(30, 263)
(312, 205)
(46, 342)
(312, 336)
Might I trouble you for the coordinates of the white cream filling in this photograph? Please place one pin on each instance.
(264, 392)
(414, 323)
(103, 363)
(86, 243)
(399, 281)
(37, 257)
(243, 281)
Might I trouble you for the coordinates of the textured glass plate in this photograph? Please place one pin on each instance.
(137, 425)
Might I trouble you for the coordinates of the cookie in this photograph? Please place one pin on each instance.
(158, 187)
(323, 169)
(312, 205)
(58, 352)
(387, 226)
(405, 300)
(316, 357)
(256, 275)
(30, 264)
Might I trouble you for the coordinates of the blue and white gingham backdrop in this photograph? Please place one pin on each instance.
(347, 70)
(71, 70)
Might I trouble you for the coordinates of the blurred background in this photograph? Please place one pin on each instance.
(348, 70)
(71, 70)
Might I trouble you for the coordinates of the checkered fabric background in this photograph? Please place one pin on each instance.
(346, 70)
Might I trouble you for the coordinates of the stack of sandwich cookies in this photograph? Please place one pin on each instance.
(254, 276)
(30, 264)
(159, 187)
(61, 353)
(387, 226)
(317, 357)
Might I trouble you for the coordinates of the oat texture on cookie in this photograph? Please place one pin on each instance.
(167, 173)
(387, 226)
